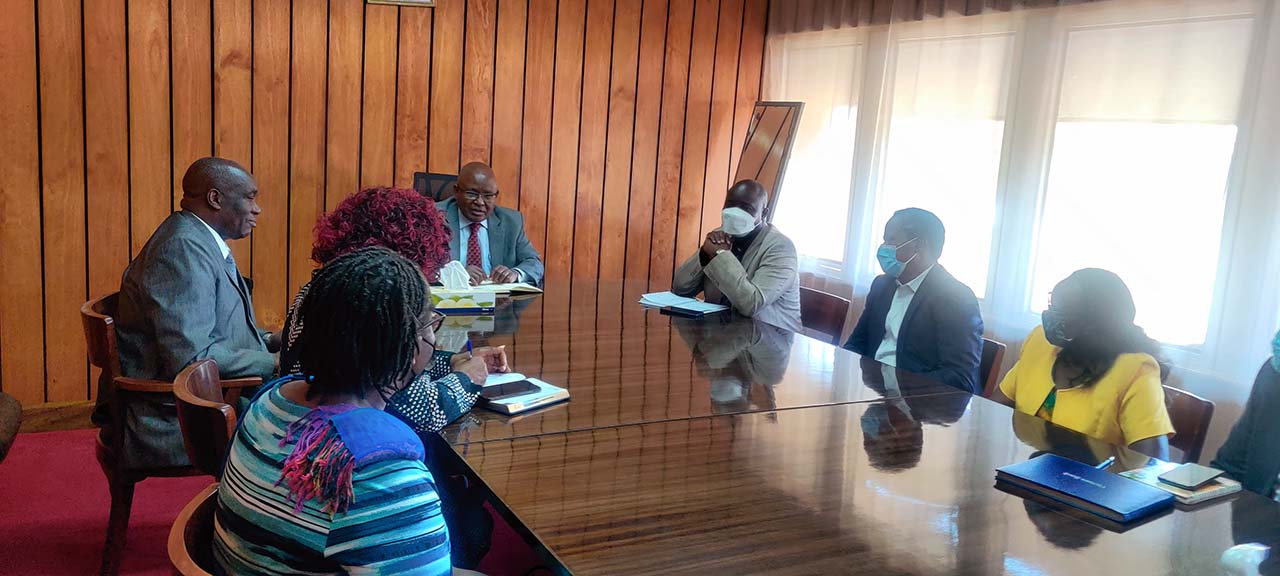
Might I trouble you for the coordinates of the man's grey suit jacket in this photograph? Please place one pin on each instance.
(180, 301)
(508, 245)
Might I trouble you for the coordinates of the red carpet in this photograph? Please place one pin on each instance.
(54, 505)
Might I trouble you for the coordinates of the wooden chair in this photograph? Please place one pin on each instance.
(437, 187)
(823, 313)
(207, 414)
(97, 317)
(989, 366)
(191, 536)
(1191, 416)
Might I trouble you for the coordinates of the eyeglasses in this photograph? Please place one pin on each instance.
(473, 195)
(435, 321)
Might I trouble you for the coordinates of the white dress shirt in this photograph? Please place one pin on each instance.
(222, 244)
(887, 353)
(464, 237)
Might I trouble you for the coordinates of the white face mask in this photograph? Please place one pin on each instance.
(737, 222)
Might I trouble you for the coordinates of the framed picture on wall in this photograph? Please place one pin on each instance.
(403, 2)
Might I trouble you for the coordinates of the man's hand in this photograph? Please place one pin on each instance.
(274, 342)
(716, 241)
(504, 275)
(476, 275)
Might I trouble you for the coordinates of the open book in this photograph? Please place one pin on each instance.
(509, 288)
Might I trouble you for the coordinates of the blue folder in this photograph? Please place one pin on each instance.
(1082, 486)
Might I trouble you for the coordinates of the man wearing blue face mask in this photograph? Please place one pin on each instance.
(746, 263)
(918, 317)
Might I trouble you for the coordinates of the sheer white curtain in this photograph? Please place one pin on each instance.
(1138, 136)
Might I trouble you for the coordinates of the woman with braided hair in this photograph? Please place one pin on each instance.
(319, 478)
(410, 225)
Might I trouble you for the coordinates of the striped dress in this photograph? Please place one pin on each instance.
(393, 524)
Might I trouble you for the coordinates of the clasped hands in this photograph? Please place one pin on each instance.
(479, 363)
(500, 275)
(717, 240)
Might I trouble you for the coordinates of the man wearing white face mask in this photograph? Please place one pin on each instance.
(746, 263)
(918, 317)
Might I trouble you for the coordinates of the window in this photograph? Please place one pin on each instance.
(825, 78)
(1138, 174)
(1139, 137)
(944, 141)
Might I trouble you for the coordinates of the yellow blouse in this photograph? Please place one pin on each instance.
(1125, 406)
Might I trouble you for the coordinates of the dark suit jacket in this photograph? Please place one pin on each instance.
(180, 301)
(1252, 451)
(941, 334)
(508, 245)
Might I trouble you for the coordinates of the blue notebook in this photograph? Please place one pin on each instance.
(1082, 486)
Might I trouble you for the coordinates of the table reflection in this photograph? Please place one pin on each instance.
(623, 364)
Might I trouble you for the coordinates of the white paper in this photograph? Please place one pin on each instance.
(500, 379)
(665, 299)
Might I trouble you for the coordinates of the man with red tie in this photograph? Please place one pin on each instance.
(488, 239)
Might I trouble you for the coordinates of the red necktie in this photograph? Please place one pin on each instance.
(473, 247)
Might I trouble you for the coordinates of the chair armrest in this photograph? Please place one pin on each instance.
(140, 385)
(241, 383)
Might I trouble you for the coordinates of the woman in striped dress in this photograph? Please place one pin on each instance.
(319, 479)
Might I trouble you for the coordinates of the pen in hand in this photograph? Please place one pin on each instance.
(1106, 463)
(470, 355)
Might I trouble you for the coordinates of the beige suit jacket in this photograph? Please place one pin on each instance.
(765, 285)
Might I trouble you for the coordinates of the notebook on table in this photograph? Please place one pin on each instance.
(544, 394)
(1216, 488)
(1102, 493)
(670, 303)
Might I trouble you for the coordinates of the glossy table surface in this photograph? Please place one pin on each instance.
(623, 364)
(901, 486)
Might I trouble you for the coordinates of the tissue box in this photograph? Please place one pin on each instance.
(463, 301)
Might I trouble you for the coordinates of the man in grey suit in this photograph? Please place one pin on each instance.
(182, 300)
(746, 263)
(488, 239)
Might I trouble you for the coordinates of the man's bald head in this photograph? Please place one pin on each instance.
(223, 194)
(748, 195)
(476, 191)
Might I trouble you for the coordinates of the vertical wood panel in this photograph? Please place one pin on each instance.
(508, 100)
(233, 96)
(597, 53)
(723, 92)
(62, 161)
(670, 143)
(342, 149)
(192, 87)
(446, 87)
(106, 145)
(754, 18)
(535, 159)
(307, 146)
(271, 25)
(697, 121)
(622, 121)
(21, 335)
(150, 186)
(644, 165)
(413, 92)
(378, 129)
(566, 107)
(477, 80)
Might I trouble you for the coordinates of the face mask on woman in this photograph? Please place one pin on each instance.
(1275, 352)
(737, 222)
(1055, 327)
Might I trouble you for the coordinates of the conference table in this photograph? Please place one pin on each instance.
(727, 446)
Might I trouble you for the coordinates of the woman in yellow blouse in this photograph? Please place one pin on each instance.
(1090, 369)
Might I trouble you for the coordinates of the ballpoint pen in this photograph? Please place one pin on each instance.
(1106, 463)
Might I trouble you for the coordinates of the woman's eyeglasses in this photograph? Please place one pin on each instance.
(435, 321)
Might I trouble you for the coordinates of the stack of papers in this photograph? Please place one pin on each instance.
(546, 394)
(669, 300)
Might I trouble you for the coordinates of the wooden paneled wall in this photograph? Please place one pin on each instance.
(613, 125)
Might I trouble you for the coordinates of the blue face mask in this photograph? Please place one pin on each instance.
(888, 257)
(1054, 327)
(1275, 352)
